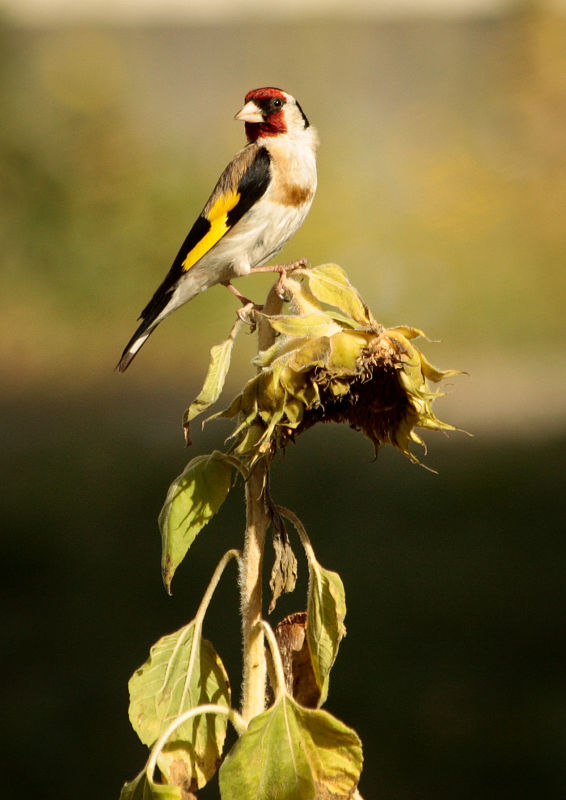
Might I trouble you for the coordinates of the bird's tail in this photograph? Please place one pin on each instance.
(135, 344)
(157, 309)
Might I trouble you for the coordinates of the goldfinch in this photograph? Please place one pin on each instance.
(261, 199)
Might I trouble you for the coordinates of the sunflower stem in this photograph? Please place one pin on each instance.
(251, 563)
(258, 520)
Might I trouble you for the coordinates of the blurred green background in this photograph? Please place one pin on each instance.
(442, 191)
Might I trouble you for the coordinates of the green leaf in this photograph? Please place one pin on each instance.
(183, 671)
(329, 284)
(141, 788)
(180, 767)
(292, 753)
(220, 356)
(326, 610)
(311, 325)
(192, 500)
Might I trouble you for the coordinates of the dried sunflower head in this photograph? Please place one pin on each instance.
(327, 360)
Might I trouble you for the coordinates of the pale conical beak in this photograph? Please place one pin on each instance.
(249, 113)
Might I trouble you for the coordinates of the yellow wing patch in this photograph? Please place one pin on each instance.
(218, 218)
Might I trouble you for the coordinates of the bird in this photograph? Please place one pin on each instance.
(259, 202)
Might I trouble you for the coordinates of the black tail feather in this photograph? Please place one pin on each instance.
(134, 345)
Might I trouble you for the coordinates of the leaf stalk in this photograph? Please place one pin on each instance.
(208, 708)
(276, 658)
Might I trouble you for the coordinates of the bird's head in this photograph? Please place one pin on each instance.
(271, 112)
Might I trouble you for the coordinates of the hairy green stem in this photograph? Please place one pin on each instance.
(251, 563)
(258, 520)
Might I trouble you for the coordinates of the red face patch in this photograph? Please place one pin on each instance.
(271, 102)
(273, 127)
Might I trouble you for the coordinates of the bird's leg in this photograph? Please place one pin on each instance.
(281, 268)
(243, 300)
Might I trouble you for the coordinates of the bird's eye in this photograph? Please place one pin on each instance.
(277, 102)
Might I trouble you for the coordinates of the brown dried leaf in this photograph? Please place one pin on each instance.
(284, 573)
(296, 659)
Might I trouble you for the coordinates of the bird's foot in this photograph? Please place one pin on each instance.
(283, 270)
(247, 310)
(247, 313)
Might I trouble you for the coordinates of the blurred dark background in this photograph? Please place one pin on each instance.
(442, 192)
